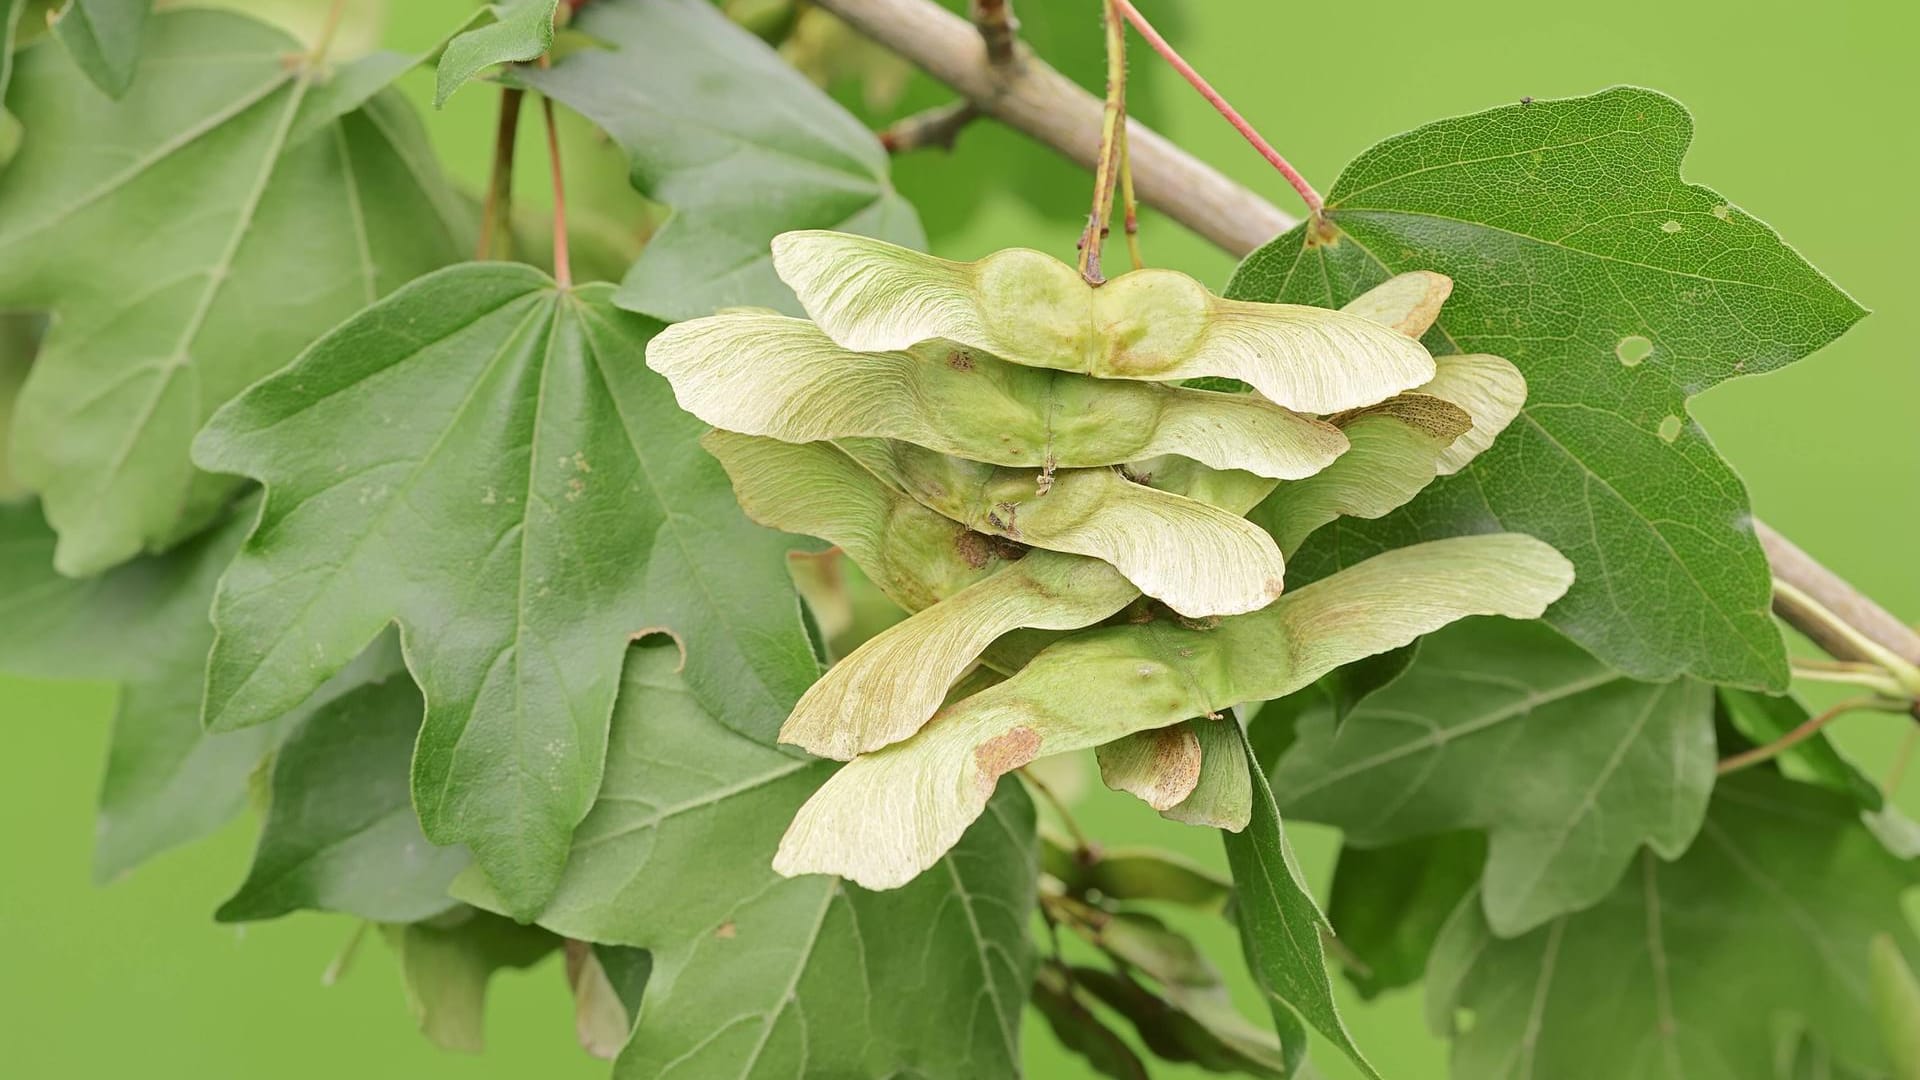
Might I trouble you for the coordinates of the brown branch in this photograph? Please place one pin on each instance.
(937, 126)
(1807, 580)
(994, 19)
(1033, 98)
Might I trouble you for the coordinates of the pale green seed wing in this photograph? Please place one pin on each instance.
(1159, 767)
(1407, 302)
(886, 689)
(1152, 325)
(890, 814)
(1399, 447)
(1193, 772)
(1492, 391)
(916, 556)
(1199, 559)
(766, 374)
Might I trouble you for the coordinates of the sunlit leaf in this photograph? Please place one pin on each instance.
(758, 976)
(340, 834)
(1690, 968)
(1569, 765)
(447, 963)
(163, 231)
(1579, 253)
(483, 459)
(737, 142)
(521, 30)
(103, 37)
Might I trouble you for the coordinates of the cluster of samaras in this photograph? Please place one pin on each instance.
(1011, 455)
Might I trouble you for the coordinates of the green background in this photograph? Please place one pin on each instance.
(1804, 117)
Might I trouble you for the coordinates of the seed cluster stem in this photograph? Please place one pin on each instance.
(1113, 136)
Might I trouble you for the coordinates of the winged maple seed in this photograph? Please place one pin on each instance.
(1008, 454)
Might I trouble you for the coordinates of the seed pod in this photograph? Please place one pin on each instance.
(1399, 447)
(1200, 559)
(780, 377)
(1154, 325)
(892, 813)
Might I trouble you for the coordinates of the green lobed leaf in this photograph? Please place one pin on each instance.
(1569, 765)
(522, 30)
(103, 37)
(1578, 253)
(163, 231)
(1896, 1005)
(737, 142)
(168, 780)
(1280, 927)
(446, 964)
(340, 833)
(891, 813)
(755, 975)
(483, 458)
(1388, 904)
(1690, 969)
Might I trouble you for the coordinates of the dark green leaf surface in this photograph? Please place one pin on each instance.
(523, 30)
(168, 780)
(103, 37)
(1280, 929)
(740, 145)
(485, 459)
(165, 231)
(1388, 904)
(1691, 969)
(340, 833)
(448, 962)
(755, 975)
(1506, 726)
(1578, 253)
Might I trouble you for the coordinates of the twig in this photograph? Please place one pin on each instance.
(562, 263)
(1807, 730)
(1106, 169)
(994, 19)
(937, 126)
(1872, 676)
(1032, 97)
(1167, 53)
(496, 230)
(1819, 603)
(328, 30)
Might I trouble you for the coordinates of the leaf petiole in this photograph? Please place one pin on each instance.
(1808, 730)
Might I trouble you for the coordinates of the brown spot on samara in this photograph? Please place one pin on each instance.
(973, 548)
(960, 360)
(1004, 753)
